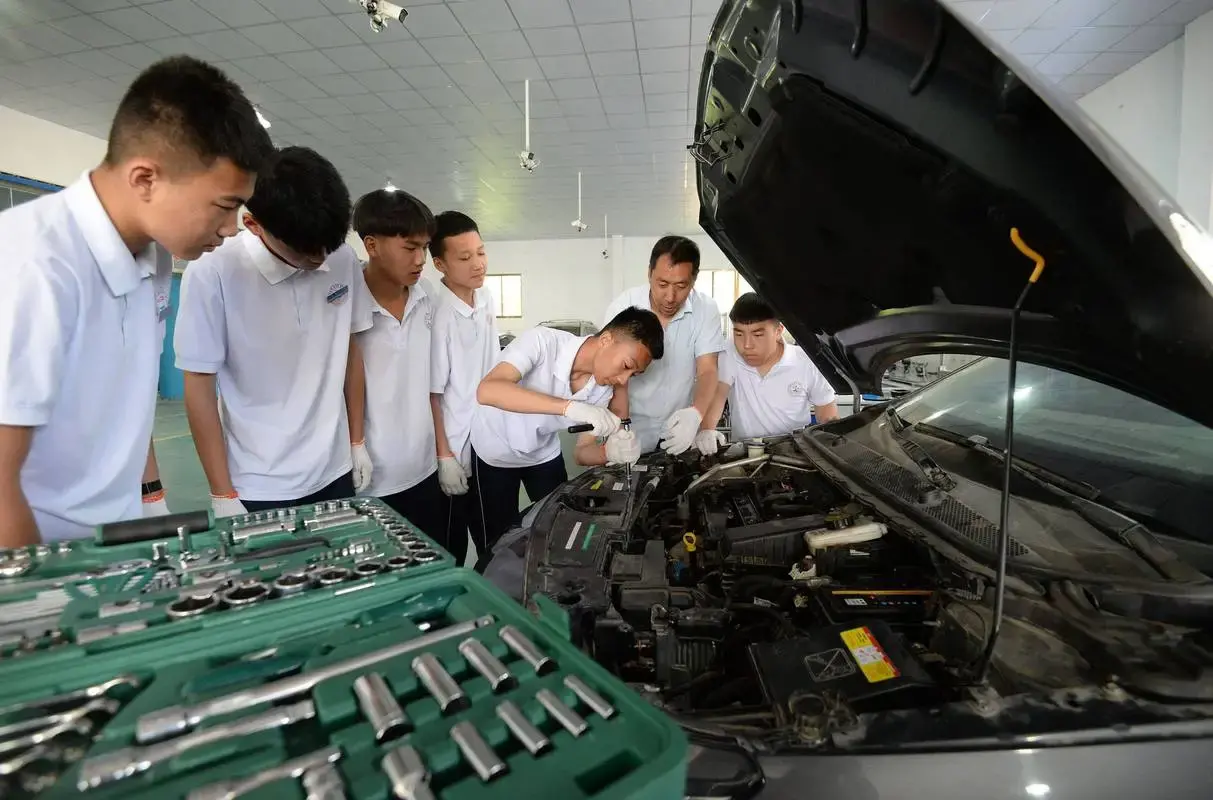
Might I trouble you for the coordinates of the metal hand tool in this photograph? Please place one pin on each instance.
(102, 705)
(75, 696)
(295, 768)
(245, 593)
(127, 761)
(108, 571)
(569, 719)
(323, 783)
(590, 697)
(379, 706)
(82, 726)
(98, 632)
(439, 683)
(175, 720)
(486, 664)
(522, 728)
(625, 424)
(160, 553)
(291, 582)
(147, 528)
(184, 541)
(407, 774)
(192, 605)
(243, 534)
(476, 751)
(526, 649)
(20, 762)
(331, 576)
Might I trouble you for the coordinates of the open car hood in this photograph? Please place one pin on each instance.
(863, 163)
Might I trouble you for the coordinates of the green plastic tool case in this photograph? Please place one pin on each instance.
(264, 599)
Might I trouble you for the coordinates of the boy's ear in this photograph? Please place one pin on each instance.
(371, 244)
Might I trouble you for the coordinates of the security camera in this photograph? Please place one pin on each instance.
(527, 161)
(379, 11)
(579, 226)
(605, 254)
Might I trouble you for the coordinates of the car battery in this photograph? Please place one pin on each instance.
(319, 660)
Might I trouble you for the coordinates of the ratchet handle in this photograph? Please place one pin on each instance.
(148, 528)
(584, 427)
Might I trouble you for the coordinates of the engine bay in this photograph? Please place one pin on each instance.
(750, 593)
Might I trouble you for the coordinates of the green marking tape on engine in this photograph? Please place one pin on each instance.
(589, 533)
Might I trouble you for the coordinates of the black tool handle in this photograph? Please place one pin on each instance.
(584, 427)
(148, 528)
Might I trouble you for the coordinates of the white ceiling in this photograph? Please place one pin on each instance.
(436, 106)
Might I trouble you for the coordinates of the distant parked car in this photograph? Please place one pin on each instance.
(577, 327)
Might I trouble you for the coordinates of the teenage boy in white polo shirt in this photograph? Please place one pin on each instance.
(269, 318)
(84, 297)
(547, 380)
(772, 387)
(669, 402)
(395, 228)
(464, 347)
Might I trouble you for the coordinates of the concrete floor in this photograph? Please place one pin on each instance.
(185, 484)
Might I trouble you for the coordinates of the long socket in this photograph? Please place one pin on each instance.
(175, 720)
(476, 751)
(439, 683)
(379, 706)
(590, 697)
(526, 649)
(406, 773)
(486, 664)
(569, 719)
(231, 789)
(522, 728)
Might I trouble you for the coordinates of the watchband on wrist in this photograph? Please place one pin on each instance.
(154, 497)
(151, 487)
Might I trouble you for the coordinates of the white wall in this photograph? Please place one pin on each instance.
(44, 151)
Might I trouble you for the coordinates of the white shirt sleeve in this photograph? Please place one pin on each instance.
(820, 392)
(361, 316)
(726, 368)
(200, 336)
(440, 353)
(710, 336)
(37, 307)
(527, 351)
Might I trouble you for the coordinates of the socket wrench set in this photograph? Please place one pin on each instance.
(430, 685)
(138, 578)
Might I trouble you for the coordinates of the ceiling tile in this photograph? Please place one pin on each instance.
(484, 16)
(297, 89)
(654, 9)
(1111, 63)
(1079, 85)
(91, 6)
(137, 55)
(403, 99)
(364, 103)
(502, 45)
(1036, 40)
(451, 49)
(565, 66)
(588, 11)
(582, 105)
(237, 13)
(1014, 14)
(260, 93)
(425, 77)
(624, 104)
(136, 23)
(667, 59)
(614, 85)
(412, 55)
(1132, 12)
(343, 85)
(1063, 63)
(627, 120)
(663, 82)
(573, 88)
(310, 63)
(267, 68)
(1149, 38)
(432, 20)
(1072, 13)
(1094, 40)
(287, 109)
(519, 69)
(46, 39)
(324, 32)
(91, 31)
(13, 50)
(471, 73)
(486, 93)
(541, 13)
(99, 62)
(276, 38)
(328, 107)
(673, 32)
(608, 36)
(623, 62)
(228, 45)
(184, 16)
(553, 41)
(287, 10)
(539, 90)
(666, 102)
(182, 45)
(1183, 12)
(381, 80)
(508, 110)
(355, 58)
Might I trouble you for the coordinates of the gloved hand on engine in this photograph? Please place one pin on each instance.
(710, 442)
(227, 505)
(678, 434)
(605, 423)
(451, 476)
(362, 468)
(622, 447)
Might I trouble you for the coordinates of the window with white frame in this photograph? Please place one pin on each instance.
(15, 190)
(507, 295)
(724, 286)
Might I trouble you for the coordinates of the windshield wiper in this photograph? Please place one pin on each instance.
(1081, 498)
(935, 473)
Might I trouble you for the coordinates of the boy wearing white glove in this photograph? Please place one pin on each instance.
(548, 380)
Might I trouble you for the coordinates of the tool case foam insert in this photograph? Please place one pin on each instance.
(626, 749)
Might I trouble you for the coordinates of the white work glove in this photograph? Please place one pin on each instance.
(622, 447)
(710, 442)
(605, 423)
(362, 466)
(155, 508)
(451, 477)
(680, 430)
(227, 506)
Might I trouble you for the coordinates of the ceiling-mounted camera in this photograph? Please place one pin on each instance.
(527, 161)
(380, 11)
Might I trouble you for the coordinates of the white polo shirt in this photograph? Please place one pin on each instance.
(669, 384)
(544, 356)
(79, 357)
(399, 422)
(463, 348)
(278, 339)
(776, 403)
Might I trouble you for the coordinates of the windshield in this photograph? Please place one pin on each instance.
(1144, 459)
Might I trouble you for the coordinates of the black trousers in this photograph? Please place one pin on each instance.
(340, 489)
(499, 488)
(422, 505)
(462, 522)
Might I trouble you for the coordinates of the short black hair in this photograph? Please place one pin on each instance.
(391, 212)
(750, 309)
(680, 249)
(641, 325)
(187, 105)
(301, 199)
(450, 223)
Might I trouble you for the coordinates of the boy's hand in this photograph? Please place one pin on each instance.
(451, 477)
(605, 423)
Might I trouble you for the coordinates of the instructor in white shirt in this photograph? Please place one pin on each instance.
(772, 387)
(669, 401)
(84, 298)
(269, 318)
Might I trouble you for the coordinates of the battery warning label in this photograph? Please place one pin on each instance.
(871, 657)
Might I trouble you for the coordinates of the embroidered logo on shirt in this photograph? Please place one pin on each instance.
(338, 294)
(796, 389)
(162, 306)
(429, 319)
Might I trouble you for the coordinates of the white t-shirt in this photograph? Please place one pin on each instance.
(399, 422)
(669, 384)
(776, 403)
(463, 348)
(80, 339)
(544, 356)
(278, 339)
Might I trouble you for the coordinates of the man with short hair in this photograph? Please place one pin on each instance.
(669, 401)
(269, 318)
(546, 381)
(772, 387)
(85, 295)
